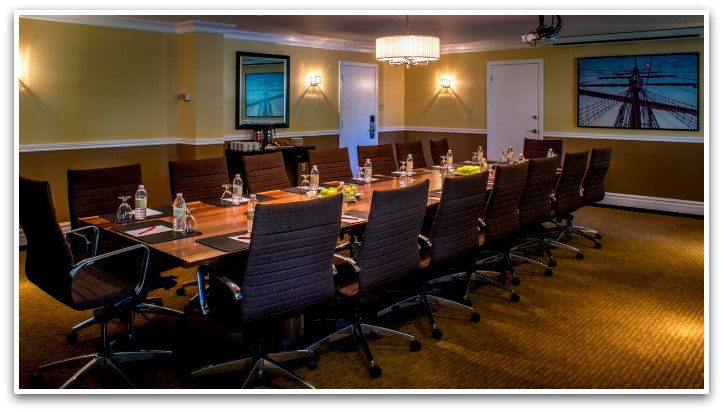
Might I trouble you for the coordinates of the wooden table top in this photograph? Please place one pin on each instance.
(215, 221)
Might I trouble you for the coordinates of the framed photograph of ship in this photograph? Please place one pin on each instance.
(265, 94)
(652, 91)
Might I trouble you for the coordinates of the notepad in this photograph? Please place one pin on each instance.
(153, 230)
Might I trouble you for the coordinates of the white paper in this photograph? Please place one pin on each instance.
(148, 231)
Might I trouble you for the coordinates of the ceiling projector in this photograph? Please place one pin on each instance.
(544, 32)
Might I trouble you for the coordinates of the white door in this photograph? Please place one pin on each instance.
(514, 105)
(357, 107)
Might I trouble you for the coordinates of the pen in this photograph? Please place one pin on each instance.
(143, 232)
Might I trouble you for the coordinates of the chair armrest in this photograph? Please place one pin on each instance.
(201, 274)
(348, 260)
(480, 223)
(91, 244)
(232, 286)
(140, 287)
(426, 240)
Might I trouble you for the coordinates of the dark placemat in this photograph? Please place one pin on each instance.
(357, 213)
(379, 178)
(219, 203)
(165, 211)
(223, 243)
(154, 238)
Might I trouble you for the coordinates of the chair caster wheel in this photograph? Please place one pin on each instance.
(72, 337)
(598, 245)
(474, 317)
(313, 364)
(375, 371)
(579, 256)
(552, 263)
(548, 272)
(515, 297)
(515, 281)
(180, 291)
(436, 334)
(416, 346)
(598, 236)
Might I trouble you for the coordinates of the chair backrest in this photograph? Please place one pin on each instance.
(438, 148)
(501, 216)
(415, 148)
(48, 259)
(289, 265)
(198, 179)
(593, 184)
(390, 248)
(537, 148)
(381, 156)
(567, 190)
(95, 191)
(333, 164)
(265, 172)
(535, 201)
(455, 230)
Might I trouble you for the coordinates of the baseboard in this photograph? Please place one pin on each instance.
(662, 204)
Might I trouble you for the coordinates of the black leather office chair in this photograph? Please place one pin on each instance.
(288, 270)
(593, 188)
(537, 148)
(568, 194)
(451, 245)
(389, 255)
(94, 192)
(98, 283)
(415, 149)
(333, 164)
(500, 225)
(381, 156)
(265, 172)
(198, 179)
(438, 148)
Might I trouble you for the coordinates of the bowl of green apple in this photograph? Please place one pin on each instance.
(467, 170)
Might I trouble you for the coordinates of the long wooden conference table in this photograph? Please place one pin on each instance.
(215, 221)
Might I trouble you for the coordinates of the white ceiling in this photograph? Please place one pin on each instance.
(461, 32)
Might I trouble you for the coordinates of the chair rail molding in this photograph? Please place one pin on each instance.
(637, 137)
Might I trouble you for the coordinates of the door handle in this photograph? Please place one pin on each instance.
(534, 131)
(372, 128)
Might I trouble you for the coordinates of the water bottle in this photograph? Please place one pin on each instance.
(314, 178)
(141, 202)
(410, 164)
(550, 153)
(510, 155)
(251, 208)
(450, 158)
(179, 213)
(503, 158)
(480, 154)
(238, 188)
(368, 171)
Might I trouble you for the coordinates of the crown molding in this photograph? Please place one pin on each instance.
(118, 22)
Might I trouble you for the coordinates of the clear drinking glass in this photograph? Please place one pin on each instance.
(474, 157)
(191, 223)
(124, 213)
(403, 177)
(305, 183)
(442, 162)
(227, 196)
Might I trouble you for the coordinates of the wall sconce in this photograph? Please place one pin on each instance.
(445, 83)
(314, 80)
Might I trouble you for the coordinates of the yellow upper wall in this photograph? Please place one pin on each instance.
(87, 83)
(465, 104)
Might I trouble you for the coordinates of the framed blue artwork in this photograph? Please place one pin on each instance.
(264, 94)
(651, 91)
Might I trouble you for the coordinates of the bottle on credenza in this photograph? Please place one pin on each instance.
(251, 209)
(314, 178)
(368, 171)
(259, 138)
(238, 189)
(179, 213)
(141, 202)
(510, 155)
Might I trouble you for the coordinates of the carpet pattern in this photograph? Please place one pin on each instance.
(628, 316)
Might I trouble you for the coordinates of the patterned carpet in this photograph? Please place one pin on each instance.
(628, 316)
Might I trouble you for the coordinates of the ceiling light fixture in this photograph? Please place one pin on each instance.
(544, 32)
(408, 50)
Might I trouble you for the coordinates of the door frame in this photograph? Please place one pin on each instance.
(540, 92)
(376, 94)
